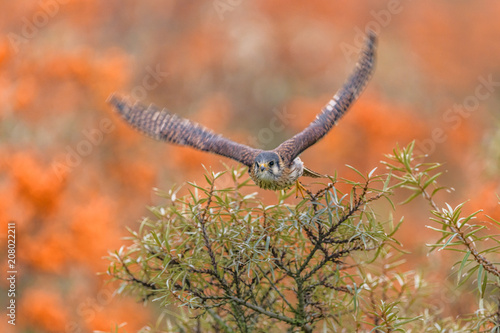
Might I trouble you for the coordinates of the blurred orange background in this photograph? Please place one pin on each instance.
(73, 176)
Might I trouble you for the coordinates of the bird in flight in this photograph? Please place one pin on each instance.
(275, 169)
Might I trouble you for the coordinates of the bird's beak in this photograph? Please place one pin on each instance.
(262, 166)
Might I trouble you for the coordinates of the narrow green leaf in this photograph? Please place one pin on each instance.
(411, 197)
(431, 180)
(480, 278)
(355, 170)
(437, 189)
(484, 284)
(462, 265)
(471, 216)
(155, 236)
(448, 242)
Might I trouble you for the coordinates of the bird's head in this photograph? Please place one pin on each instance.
(267, 166)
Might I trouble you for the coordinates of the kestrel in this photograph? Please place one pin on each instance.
(275, 169)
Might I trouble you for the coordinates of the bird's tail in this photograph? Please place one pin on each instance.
(312, 174)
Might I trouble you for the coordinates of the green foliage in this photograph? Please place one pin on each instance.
(458, 233)
(231, 263)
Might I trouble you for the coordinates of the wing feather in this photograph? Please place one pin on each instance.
(337, 106)
(165, 126)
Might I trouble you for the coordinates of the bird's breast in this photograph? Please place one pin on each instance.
(285, 180)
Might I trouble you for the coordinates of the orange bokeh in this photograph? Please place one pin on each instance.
(73, 186)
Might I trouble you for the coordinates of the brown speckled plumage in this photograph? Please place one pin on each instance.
(275, 169)
(165, 126)
(337, 106)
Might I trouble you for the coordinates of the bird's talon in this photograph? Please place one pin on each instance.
(301, 189)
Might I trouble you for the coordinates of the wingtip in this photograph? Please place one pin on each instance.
(371, 37)
(371, 34)
(120, 104)
(113, 98)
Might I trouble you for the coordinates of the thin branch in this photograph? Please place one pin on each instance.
(220, 321)
(480, 259)
(263, 311)
(276, 289)
(332, 257)
(133, 278)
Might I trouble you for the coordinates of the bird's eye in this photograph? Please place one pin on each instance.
(271, 163)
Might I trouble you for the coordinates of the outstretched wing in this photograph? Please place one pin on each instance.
(336, 108)
(165, 126)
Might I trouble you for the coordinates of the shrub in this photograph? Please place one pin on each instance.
(328, 263)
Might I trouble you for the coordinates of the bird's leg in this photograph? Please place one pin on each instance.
(299, 188)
